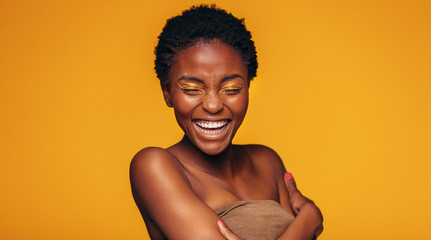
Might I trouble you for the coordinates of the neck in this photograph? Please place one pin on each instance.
(220, 165)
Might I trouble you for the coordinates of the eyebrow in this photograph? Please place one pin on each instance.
(195, 79)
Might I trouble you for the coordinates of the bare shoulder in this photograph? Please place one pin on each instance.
(265, 155)
(154, 165)
(149, 154)
(152, 159)
(259, 149)
(151, 170)
(268, 162)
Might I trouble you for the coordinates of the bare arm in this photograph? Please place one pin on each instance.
(166, 200)
(308, 222)
(308, 218)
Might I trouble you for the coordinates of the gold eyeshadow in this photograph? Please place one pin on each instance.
(231, 88)
(193, 88)
(190, 87)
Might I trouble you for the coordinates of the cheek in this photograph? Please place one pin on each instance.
(238, 105)
(184, 105)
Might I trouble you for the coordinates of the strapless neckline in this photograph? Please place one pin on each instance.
(255, 219)
(242, 202)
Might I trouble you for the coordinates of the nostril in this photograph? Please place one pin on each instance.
(213, 104)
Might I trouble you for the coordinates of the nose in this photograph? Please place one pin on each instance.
(213, 103)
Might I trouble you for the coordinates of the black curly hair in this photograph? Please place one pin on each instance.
(203, 23)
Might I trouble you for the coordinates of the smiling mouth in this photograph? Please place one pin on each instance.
(211, 127)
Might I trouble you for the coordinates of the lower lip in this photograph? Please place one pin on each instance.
(212, 133)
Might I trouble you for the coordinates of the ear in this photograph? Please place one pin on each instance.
(167, 94)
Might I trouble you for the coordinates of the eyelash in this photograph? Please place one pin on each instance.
(231, 91)
(193, 91)
(197, 91)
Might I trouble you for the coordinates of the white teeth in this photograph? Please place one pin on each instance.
(208, 124)
(218, 126)
(212, 132)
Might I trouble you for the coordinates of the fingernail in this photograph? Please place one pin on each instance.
(221, 223)
(288, 176)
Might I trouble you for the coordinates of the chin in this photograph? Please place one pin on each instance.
(211, 140)
(213, 152)
(213, 148)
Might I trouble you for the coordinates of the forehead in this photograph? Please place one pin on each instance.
(208, 60)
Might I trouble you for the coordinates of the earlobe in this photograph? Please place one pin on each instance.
(167, 95)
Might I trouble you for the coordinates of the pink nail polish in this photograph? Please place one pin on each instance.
(288, 176)
(222, 223)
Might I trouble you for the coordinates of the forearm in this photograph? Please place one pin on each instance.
(305, 225)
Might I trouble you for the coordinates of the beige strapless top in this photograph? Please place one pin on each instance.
(258, 219)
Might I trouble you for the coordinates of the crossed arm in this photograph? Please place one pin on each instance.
(172, 210)
(308, 221)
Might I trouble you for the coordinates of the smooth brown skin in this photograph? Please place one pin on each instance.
(177, 189)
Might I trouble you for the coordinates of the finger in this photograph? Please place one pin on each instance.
(297, 200)
(226, 232)
(294, 195)
(290, 183)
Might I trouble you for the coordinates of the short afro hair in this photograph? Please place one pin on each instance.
(203, 23)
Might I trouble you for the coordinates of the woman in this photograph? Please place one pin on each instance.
(205, 60)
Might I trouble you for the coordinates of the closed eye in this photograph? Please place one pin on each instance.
(190, 88)
(231, 91)
(192, 91)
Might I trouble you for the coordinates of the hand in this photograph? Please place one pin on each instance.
(299, 201)
(226, 232)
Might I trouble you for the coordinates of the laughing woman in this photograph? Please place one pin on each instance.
(204, 187)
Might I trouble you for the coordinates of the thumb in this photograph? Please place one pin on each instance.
(226, 232)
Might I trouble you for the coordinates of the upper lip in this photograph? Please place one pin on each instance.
(211, 119)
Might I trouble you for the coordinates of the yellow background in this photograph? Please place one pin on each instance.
(343, 94)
